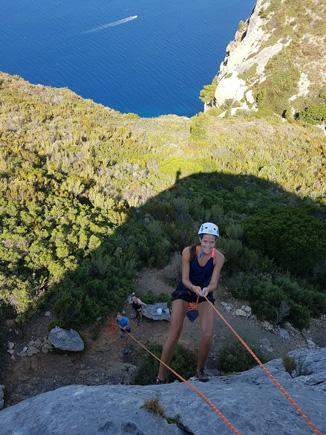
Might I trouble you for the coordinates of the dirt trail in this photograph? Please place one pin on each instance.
(104, 361)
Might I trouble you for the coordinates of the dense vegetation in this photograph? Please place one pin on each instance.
(183, 362)
(233, 357)
(89, 196)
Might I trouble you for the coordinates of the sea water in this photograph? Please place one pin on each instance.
(143, 56)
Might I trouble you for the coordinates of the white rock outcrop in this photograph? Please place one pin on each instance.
(242, 54)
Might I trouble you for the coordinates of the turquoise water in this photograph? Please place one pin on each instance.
(147, 56)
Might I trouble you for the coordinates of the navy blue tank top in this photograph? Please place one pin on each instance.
(200, 275)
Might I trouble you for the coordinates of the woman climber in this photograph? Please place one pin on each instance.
(201, 266)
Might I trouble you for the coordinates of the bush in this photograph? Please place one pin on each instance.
(289, 364)
(231, 248)
(299, 315)
(235, 358)
(234, 231)
(241, 284)
(313, 114)
(293, 238)
(207, 94)
(151, 298)
(278, 298)
(183, 362)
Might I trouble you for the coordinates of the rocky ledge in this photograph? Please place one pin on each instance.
(249, 400)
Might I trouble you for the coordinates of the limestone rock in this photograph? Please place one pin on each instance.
(311, 344)
(268, 326)
(249, 400)
(66, 340)
(247, 309)
(284, 334)
(240, 313)
(266, 345)
(228, 307)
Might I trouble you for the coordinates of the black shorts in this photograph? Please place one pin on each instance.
(187, 295)
(136, 307)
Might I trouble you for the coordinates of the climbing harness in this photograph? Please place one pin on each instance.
(192, 310)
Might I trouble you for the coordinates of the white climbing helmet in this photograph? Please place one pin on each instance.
(209, 228)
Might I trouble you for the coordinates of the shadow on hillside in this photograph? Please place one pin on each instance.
(165, 224)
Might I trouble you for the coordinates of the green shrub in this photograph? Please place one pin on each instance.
(314, 114)
(241, 284)
(266, 298)
(249, 260)
(294, 239)
(151, 298)
(263, 14)
(183, 362)
(289, 364)
(231, 248)
(207, 94)
(234, 231)
(319, 274)
(278, 297)
(299, 315)
(235, 358)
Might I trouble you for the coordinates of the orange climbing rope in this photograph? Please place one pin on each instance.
(192, 387)
(267, 372)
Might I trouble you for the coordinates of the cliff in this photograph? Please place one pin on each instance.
(248, 400)
(276, 60)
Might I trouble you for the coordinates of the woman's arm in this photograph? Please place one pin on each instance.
(215, 275)
(185, 271)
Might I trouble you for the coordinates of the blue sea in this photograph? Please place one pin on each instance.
(148, 57)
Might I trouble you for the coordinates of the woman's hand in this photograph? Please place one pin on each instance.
(204, 292)
(196, 289)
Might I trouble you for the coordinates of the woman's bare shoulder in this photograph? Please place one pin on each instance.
(186, 252)
(219, 257)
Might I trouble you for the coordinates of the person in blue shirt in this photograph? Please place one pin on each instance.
(201, 267)
(123, 323)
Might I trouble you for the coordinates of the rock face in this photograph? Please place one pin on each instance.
(242, 54)
(273, 31)
(249, 400)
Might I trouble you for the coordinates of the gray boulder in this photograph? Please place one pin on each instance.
(159, 311)
(249, 400)
(66, 340)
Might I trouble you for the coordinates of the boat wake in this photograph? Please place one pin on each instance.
(112, 24)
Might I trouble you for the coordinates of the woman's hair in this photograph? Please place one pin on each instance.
(193, 251)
